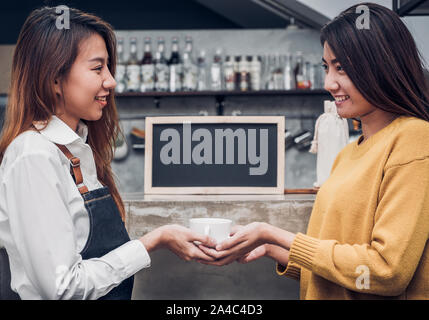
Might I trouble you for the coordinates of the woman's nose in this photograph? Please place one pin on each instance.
(109, 82)
(330, 83)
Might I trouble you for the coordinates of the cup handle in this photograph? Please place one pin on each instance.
(207, 230)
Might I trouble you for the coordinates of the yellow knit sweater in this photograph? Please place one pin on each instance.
(368, 231)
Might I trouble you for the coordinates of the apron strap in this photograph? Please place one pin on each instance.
(74, 168)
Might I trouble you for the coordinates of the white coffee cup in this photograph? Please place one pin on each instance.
(218, 229)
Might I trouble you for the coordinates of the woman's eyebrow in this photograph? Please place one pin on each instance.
(332, 61)
(99, 59)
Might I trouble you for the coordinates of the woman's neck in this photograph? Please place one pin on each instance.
(374, 122)
(70, 121)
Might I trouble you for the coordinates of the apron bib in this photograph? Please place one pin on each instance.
(107, 230)
(106, 233)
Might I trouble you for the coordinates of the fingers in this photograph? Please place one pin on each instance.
(205, 240)
(228, 243)
(192, 252)
(221, 262)
(199, 255)
(235, 229)
(213, 253)
(254, 255)
(243, 258)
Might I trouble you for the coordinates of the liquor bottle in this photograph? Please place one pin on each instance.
(147, 67)
(309, 78)
(203, 79)
(120, 76)
(271, 66)
(300, 76)
(133, 68)
(278, 73)
(289, 79)
(237, 75)
(190, 70)
(175, 65)
(161, 67)
(216, 71)
(243, 68)
(229, 74)
(255, 73)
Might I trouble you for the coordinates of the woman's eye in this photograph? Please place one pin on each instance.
(324, 67)
(98, 68)
(340, 68)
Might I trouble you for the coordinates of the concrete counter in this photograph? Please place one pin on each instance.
(169, 277)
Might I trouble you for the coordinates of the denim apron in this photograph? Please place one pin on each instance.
(107, 230)
(106, 233)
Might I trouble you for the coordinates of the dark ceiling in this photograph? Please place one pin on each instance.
(170, 14)
(123, 14)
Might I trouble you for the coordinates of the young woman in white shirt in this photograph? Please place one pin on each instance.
(61, 215)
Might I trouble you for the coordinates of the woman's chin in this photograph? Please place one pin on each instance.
(343, 113)
(94, 117)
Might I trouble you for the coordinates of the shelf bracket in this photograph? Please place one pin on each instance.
(157, 102)
(220, 103)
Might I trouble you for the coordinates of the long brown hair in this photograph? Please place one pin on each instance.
(383, 62)
(44, 53)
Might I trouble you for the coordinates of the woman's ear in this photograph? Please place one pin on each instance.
(57, 86)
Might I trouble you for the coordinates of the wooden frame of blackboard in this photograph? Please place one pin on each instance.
(150, 121)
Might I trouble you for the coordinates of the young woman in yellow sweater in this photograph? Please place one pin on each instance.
(368, 232)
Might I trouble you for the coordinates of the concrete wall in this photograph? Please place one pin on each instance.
(418, 26)
(169, 277)
(301, 111)
(300, 166)
(6, 52)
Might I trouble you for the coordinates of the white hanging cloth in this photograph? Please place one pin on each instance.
(331, 135)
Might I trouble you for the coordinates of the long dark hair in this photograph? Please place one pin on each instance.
(44, 53)
(383, 62)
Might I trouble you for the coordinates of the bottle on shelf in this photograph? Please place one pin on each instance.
(270, 69)
(120, 75)
(244, 72)
(216, 71)
(203, 74)
(237, 75)
(161, 67)
(147, 67)
(255, 73)
(309, 81)
(190, 70)
(175, 65)
(278, 83)
(229, 74)
(289, 79)
(301, 81)
(133, 68)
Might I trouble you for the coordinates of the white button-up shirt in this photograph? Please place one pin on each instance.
(44, 224)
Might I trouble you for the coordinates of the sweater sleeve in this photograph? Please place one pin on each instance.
(291, 270)
(399, 236)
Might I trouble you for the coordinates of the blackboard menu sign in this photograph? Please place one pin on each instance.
(214, 155)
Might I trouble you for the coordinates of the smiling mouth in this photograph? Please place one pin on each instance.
(342, 98)
(104, 98)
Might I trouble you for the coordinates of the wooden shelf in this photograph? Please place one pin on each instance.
(222, 93)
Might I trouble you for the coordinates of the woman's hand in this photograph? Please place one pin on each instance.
(274, 252)
(179, 240)
(255, 254)
(245, 245)
(244, 240)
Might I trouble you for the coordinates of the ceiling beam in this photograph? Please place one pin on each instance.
(266, 13)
